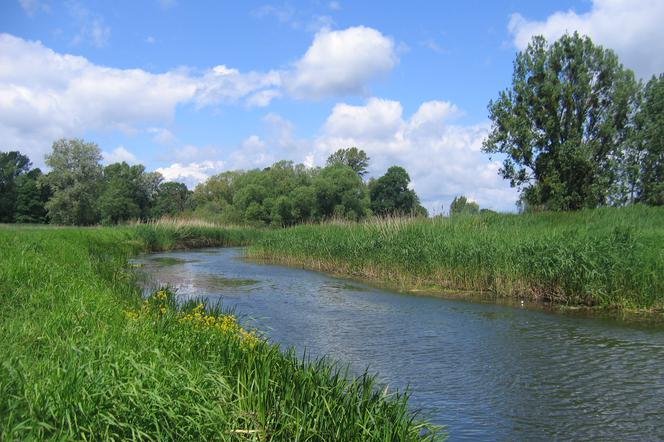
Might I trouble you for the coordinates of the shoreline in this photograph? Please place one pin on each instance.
(418, 287)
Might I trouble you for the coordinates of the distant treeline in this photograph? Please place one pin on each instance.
(78, 190)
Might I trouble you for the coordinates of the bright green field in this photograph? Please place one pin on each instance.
(83, 357)
(608, 257)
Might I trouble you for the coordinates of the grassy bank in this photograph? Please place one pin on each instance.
(605, 257)
(84, 357)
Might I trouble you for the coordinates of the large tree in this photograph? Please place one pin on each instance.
(563, 123)
(390, 194)
(352, 157)
(76, 181)
(12, 165)
(649, 144)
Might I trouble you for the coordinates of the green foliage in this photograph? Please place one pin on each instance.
(85, 358)
(12, 165)
(284, 194)
(563, 125)
(461, 206)
(171, 199)
(649, 144)
(76, 180)
(340, 192)
(352, 157)
(31, 197)
(607, 257)
(390, 194)
(129, 192)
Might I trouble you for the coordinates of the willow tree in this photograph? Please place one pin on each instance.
(564, 123)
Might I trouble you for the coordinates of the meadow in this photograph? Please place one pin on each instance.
(85, 357)
(608, 257)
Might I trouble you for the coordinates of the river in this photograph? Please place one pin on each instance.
(485, 371)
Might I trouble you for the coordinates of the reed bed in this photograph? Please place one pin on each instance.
(86, 358)
(612, 257)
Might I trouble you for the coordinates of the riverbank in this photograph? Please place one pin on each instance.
(85, 357)
(609, 258)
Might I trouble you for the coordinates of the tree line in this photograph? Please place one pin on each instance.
(78, 190)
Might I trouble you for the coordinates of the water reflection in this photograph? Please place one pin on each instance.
(486, 371)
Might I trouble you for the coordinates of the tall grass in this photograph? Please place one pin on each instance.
(607, 257)
(84, 357)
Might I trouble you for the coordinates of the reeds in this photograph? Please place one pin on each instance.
(608, 257)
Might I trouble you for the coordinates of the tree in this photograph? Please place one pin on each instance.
(390, 194)
(461, 206)
(76, 180)
(172, 198)
(31, 197)
(352, 157)
(563, 124)
(649, 144)
(12, 165)
(128, 192)
(341, 192)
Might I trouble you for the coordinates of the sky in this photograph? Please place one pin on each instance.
(193, 88)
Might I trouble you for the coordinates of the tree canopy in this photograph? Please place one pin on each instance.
(390, 194)
(352, 157)
(13, 164)
(564, 123)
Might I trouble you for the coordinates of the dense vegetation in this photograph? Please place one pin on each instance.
(607, 257)
(79, 191)
(84, 357)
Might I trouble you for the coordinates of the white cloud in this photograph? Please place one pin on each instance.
(263, 98)
(335, 6)
(191, 173)
(92, 28)
(46, 95)
(341, 63)
(442, 158)
(161, 135)
(31, 7)
(633, 28)
(118, 155)
(150, 40)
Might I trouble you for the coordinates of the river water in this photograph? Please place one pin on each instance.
(486, 371)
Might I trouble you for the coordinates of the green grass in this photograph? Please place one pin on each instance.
(605, 257)
(79, 363)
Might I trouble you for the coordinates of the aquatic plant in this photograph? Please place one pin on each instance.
(607, 257)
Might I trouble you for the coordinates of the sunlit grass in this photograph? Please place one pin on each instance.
(85, 357)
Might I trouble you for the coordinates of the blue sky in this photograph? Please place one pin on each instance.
(195, 88)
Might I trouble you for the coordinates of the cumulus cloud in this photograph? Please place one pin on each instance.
(442, 158)
(191, 173)
(45, 95)
(118, 155)
(341, 63)
(631, 27)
